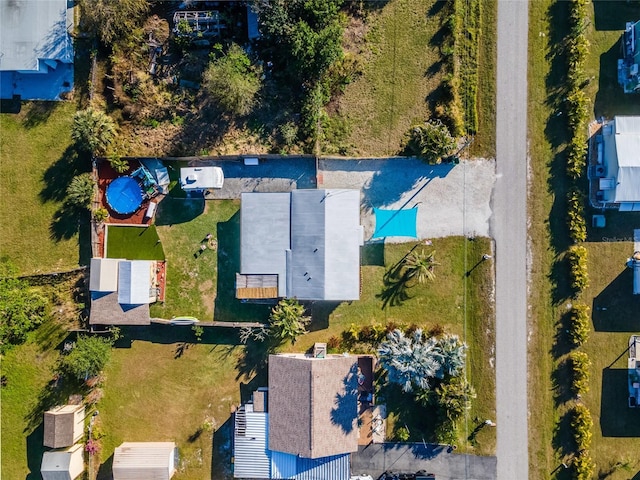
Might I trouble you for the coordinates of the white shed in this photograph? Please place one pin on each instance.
(144, 460)
(67, 464)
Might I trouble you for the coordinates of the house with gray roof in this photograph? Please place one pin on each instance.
(304, 244)
(36, 49)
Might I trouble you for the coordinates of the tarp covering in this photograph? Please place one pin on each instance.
(396, 223)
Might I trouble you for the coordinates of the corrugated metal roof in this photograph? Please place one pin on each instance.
(144, 460)
(134, 282)
(287, 466)
(310, 238)
(251, 455)
(265, 222)
(103, 275)
(31, 30)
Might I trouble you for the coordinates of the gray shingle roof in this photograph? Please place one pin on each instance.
(313, 405)
(105, 310)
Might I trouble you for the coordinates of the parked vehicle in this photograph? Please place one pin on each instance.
(420, 475)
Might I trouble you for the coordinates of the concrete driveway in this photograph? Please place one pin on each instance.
(451, 199)
(375, 459)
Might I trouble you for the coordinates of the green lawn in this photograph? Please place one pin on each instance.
(202, 285)
(155, 393)
(134, 243)
(459, 303)
(29, 369)
(548, 233)
(36, 165)
(401, 70)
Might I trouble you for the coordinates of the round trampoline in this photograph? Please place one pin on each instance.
(124, 195)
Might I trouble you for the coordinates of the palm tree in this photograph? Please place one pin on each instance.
(93, 130)
(80, 190)
(419, 266)
(287, 320)
(453, 397)
(453, 355)
(409, 361)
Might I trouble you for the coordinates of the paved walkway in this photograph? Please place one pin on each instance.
(375, 459)
(509, 228)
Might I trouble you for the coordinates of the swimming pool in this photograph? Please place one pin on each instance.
(124, 195)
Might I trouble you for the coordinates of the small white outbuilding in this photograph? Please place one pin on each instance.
(66, 464)
(144, 460)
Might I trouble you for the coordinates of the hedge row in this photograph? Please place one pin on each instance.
(577, 257)
(580, 364)
(579, 324)
(575, 216)
(577, 49)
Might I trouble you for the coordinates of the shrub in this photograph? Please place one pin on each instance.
(100, 214)
(580, 373)
(119, 164)
(583, 466)
(287, 320)
(577, 257)
(577, 224)
(21, 308)
(112, 20)
(333, 344)
(232, 82)
(581, 425)
(402, 434)
(579, 324)
(430, 141)
(88, 357)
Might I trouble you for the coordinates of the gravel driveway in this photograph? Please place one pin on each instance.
(451, 199)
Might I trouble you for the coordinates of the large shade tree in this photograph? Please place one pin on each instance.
(88, 357)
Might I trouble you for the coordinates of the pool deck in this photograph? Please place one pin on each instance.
(105, 175)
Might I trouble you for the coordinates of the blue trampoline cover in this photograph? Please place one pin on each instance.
(124, 195)
(396, 223)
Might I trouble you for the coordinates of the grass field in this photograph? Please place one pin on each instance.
(401, 72)
(548, 236)
(37, 234)
(134, 243)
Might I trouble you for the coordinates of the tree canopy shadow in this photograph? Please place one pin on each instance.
(320, 313)
(563, 441)
(58, 176)
(615, 309)
(561, 381)
(68, 221)
(345, 411)
(38, 113)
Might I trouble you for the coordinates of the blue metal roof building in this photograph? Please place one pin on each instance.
(36, 50)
